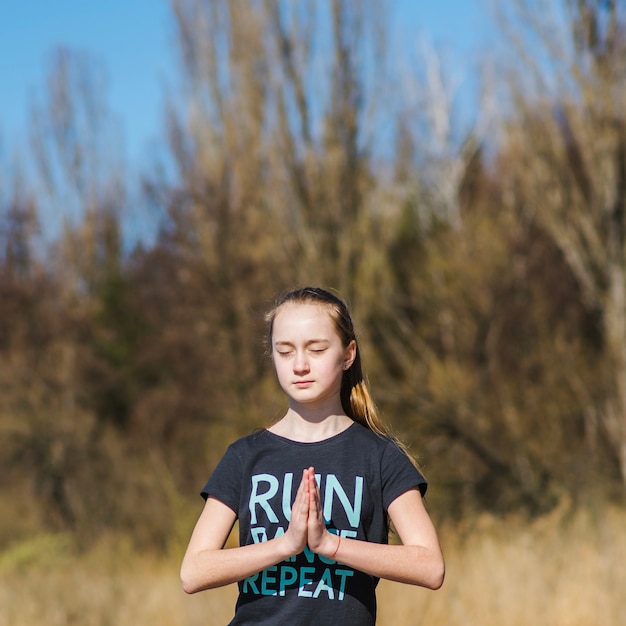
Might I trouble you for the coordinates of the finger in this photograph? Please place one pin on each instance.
(316, 495)
(303, 488)
(316, 517)
(300, 504)
(310, 474)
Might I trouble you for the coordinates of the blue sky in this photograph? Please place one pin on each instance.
(133, 39)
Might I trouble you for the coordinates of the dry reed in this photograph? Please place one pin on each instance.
(560, 570)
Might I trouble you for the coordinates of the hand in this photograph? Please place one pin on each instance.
(319, 539)
(296, 533)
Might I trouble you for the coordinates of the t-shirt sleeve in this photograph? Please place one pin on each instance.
(399, 474)
(224, 484)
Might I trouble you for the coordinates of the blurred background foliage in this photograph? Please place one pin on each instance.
(486, 266)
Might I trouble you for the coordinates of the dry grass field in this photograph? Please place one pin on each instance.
(561, 570)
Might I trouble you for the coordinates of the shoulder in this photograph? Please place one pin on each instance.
(397, 471)
(384, 448)
(229, 474)
(372, 440)
(249, 442)
(239, 453)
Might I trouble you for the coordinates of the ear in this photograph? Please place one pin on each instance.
(349, 355)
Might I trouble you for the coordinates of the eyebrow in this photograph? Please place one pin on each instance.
(284, 342)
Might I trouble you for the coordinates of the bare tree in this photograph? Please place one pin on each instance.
(566, 148)
(77, 149)
(280, 104)
(59, 329)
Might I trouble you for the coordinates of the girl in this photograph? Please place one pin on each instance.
(314, 492)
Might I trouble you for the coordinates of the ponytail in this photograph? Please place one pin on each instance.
(357, 401)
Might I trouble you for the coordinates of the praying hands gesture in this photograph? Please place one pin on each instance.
(307, 526)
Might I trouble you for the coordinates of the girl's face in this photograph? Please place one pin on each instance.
(308, 354)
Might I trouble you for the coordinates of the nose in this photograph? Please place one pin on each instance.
(300, 363)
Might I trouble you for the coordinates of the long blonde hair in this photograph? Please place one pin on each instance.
(355, 396)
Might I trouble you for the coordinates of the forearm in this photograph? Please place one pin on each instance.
(207, 569)
(415, 565)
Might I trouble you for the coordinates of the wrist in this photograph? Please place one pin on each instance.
(333, 556)
(331, 546)
(286, 547)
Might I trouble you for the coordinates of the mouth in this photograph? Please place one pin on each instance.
(302, 384)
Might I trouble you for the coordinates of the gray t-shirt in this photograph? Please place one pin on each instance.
(359, 473)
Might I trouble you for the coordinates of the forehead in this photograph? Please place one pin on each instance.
(299, 318)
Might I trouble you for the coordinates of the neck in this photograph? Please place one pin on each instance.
(309, 426)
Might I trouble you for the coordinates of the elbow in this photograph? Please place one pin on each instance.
(437, 577)
(188, 580)
(188, 585)
(436, 583)
(430, 572)
(188, 588)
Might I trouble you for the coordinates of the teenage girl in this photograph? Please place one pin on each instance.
(315, 491)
